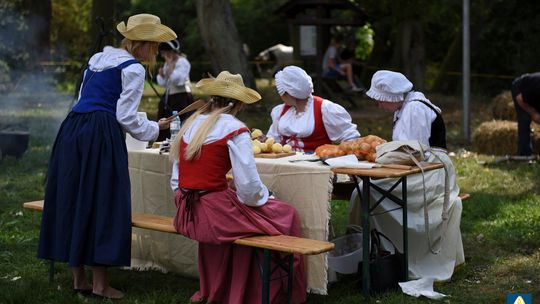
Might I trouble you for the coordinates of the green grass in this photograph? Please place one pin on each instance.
(500, 223)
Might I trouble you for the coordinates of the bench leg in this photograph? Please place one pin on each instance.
(286, 264)
(291, 279)
(266, 277)
(51, 271)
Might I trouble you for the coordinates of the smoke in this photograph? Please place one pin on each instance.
(29, 96)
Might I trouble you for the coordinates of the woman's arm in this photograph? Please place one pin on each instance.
(338, 122)
(535, 116)
(249, 188)
(181, 72)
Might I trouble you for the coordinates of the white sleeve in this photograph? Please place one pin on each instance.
(338, 122)
(273, 130)
(128, 104)
(414, 123)
(249, 188)
(162, 81)
(181, 72)
(174, 177)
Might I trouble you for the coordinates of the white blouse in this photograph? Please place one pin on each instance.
(132, 90)
(337, 122)
(178, 81)
(413, 121)
(249, 188)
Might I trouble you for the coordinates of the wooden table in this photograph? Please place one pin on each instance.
(367, 175)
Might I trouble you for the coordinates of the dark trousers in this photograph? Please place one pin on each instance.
(524, 124)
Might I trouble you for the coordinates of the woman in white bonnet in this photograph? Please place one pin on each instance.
(305, 121)
(415, 117)
(435, 247)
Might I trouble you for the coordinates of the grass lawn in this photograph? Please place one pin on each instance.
(500, 223)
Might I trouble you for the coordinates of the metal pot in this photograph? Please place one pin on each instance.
(13, 143)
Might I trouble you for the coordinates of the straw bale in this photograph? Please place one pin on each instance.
(499, 137)
(502, 107)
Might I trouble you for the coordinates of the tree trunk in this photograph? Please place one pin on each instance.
(221, 39)
(413, 53)
(39, 24)
(103, 9)
(445, 82)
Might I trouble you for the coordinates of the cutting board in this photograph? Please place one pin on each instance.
(274, 155)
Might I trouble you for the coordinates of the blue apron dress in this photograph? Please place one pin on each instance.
(87, 211)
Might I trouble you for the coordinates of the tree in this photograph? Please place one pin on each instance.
(103, 9)
(221, 39)
(38, 37)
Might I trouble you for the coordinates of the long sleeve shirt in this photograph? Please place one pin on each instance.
(249, 187)
(337, 122)
(132, 90)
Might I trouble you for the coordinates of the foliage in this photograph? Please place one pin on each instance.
(13, 54)
(364, 37)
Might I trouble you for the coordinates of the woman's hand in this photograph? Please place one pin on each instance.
(164, 124)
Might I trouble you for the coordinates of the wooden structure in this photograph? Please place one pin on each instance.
(310, 22)
(284, 244)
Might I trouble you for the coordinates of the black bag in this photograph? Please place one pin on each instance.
(386, 269)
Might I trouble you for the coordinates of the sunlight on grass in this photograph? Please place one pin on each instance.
(500, 223)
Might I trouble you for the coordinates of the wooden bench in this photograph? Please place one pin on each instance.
(278, 243)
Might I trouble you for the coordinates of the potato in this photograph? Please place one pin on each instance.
(270, 141)
(264, 147)
(287, 148)
(256, 149)
(256, 133)
(256, 142)
(277, 148)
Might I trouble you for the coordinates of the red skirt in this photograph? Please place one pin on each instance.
(229, 273)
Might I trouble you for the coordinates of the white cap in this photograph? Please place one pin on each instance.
(295, 81)
(389, 86)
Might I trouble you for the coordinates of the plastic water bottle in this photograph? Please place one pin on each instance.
(175, 125)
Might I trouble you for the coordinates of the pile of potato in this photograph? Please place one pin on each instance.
(363, 148)
(263, 144)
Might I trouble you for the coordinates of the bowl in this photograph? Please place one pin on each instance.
(13, 143)
(347, 253)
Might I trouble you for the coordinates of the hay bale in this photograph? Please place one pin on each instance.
(503, 107)
(499, 137)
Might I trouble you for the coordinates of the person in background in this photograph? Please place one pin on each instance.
(435, 245)
(348, 55)
(87, 211)
(526, 96)
(305, 121)
(333, 68)
(174, 76)
(216, 212)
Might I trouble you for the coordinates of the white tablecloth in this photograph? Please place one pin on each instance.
(306, 185)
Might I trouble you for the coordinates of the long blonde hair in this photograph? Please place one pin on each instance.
(144, 51)
(215, 107)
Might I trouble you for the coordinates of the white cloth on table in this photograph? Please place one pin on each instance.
(422, 262)
(337, 122)
(249, 188)
(132, 90)
(414, 119)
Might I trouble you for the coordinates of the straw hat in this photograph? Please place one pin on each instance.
(145, 27)
(228, 85)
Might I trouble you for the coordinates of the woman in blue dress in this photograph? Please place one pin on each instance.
(87, 210)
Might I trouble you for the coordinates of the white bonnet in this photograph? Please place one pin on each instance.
(389, 86)
(295, 81)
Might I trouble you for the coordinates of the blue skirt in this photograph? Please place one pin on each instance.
(87, 210)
